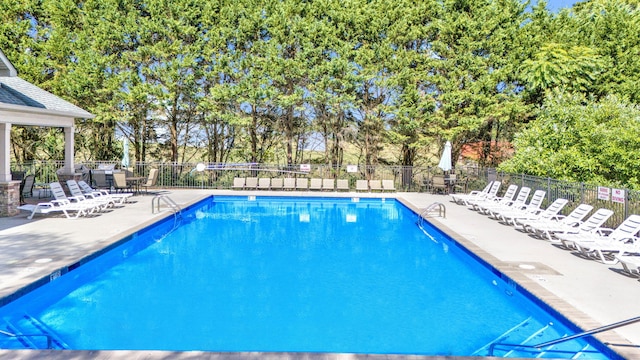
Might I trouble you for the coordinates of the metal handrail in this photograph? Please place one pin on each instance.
(442, 210)
(8, 334)
(568, 338)
(172, 204)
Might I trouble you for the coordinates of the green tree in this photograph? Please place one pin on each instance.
(472, 79)
(578, 140)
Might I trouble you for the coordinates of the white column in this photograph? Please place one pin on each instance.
(5, 152)
(68, 150)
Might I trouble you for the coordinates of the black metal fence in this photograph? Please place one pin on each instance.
(406, 178)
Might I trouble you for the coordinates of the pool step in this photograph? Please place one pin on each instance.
(531, 332)
(32, 334)
(9, 342)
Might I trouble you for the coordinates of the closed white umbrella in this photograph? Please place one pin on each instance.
(125, 154)
(445, 159)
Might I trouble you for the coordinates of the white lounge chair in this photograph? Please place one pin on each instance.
(461, 198)
(51, 207)
(533, 207)
(264, 183)
(316, 184)
(491, 194)
(550, 213)
(119, 198)
(387, 185)
(342, 185)
(362, 185)
(251, 183)
(481, 203)
(73, 203)
(238, 183)
(519, 202)
(101, 202)
(302, 184)
(592, 224)
(630, 264)
(547, 226)
(277, 184)
(375, 185)
(328, 184)
(604, 244)
(289, 184)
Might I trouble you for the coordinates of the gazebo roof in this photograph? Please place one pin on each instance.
(18, 95)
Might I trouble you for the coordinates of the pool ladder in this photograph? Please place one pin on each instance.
(433, 209)
(155, 203)
(430, 210)
(540, 348)
(23, 337)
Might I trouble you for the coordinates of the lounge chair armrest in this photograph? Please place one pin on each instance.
(60, 202)
(77, 198)
(604, 231)
(46, 204)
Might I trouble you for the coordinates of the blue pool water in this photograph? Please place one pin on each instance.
(285, 274)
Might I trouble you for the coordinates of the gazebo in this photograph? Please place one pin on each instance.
(22, 103)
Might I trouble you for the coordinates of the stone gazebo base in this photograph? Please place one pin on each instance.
(9, 198)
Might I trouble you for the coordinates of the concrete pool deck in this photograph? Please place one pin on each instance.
(589, 293)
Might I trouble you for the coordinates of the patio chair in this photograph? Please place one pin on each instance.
(328, 184)
(264, 183)
(316, 184)
(362, 185)
(438, 185)
(251, 183)
(375, 185)
(100, 180)
(342, 185)
(238, 183)
(461, 185)
(120, 182)
(387, 185)
(289, 184)
(152, 180)
(277, 184)
(302, 184)
(26, 187)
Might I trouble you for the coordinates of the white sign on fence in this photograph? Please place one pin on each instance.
(617, 195)
(352, 168)
(603, 193)
(305, 167)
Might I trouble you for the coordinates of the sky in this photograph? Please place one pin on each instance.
(556, 5)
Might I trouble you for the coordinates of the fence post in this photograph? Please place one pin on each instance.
(626, 203)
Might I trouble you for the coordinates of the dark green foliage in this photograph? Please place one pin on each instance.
(382, 81)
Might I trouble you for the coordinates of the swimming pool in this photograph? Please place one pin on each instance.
(285, 274)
